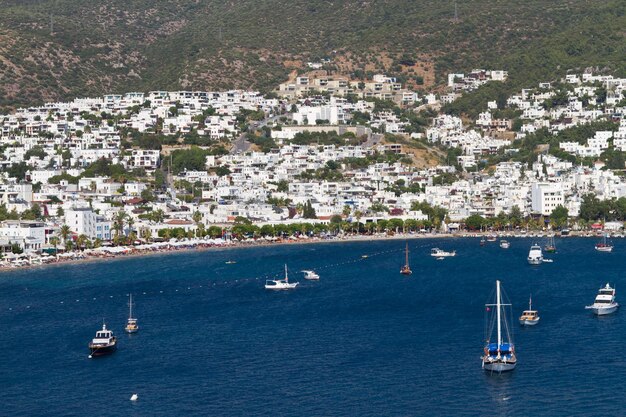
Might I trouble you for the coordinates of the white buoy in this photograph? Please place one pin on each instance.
(89, 356)
(134, 397)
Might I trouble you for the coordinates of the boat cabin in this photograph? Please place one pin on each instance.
(529, 315)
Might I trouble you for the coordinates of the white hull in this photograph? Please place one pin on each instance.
(278, 287)
(535, 261)
(498, 366)
(604, 249)
(529, 322)
(603, 311)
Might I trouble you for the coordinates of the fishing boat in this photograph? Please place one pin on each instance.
(499, 355)
(604, 246)
(280, 284)
(529, 317)
(535, 256)
(311, 275)
(104, 343)
(505, 244)
(440, 253)
(605, 302)
(550, 247)
(406, 270)
(131, 323)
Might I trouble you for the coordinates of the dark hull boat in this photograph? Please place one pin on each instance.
(103, 344)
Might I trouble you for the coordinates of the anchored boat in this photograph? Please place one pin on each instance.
(406, 270)
(499, 355)
(605, 302)
(280, 284)
(104, 343)
(529, 317)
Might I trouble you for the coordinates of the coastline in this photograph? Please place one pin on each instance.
(195, 245)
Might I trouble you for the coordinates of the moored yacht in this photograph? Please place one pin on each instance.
(535, 256)
(280, 284)
(406, 269)
(131, 323)
(604, 246)
(499, 355)
(311, 275)
(505, 244)
(550, 246)
(491, 238)
(440, 253)
(529, 317)
(104, 343)
(605, 302)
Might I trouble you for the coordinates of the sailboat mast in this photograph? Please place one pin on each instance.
(407, 254)
(498, 307)
(130, 306)
(530, 302)
(286, 276)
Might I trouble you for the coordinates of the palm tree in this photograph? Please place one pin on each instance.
(118, 224)
(97, 243)
(54, 241)
(146, 233)
(65, 232)
(81, 241)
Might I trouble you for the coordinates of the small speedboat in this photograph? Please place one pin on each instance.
(529, 317)
(440, 253)
(605, 302)
(491, 238)
(311, 275)
(280, 284)
(230, 262)
(505, 244)
(482, 242)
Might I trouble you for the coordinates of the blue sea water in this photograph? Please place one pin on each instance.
(363, 341)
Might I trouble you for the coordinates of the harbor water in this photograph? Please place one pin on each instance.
(363, 341)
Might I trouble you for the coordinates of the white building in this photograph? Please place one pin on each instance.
(546, 197)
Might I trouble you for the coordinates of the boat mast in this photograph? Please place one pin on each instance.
(286, 276)
(407, 254)
(130, 306)
(498, 307)
(530, 302)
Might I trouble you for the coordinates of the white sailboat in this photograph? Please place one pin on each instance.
(604, 246)
(499, 356)
(131, 323)
(280, 284)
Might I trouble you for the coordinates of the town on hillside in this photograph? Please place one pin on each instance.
(322, 156)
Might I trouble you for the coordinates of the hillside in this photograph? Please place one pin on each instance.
(59, 49)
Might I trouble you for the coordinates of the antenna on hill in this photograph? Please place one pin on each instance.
(456, 11)
(51, 25)
(219, 36)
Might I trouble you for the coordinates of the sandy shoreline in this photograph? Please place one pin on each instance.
(194, 246)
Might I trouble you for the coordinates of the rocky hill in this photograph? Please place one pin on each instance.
(59, 49)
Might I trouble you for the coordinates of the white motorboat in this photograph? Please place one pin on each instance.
(280, 284)
(529, 317)
(440, 253)
(605, 302)
(311, 275)
(535, 256)
(499, 355)
(505, 244)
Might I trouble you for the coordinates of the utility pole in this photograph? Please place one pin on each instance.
(51, 25)
(456, 11)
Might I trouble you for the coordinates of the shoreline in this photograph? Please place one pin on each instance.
(197, 245)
